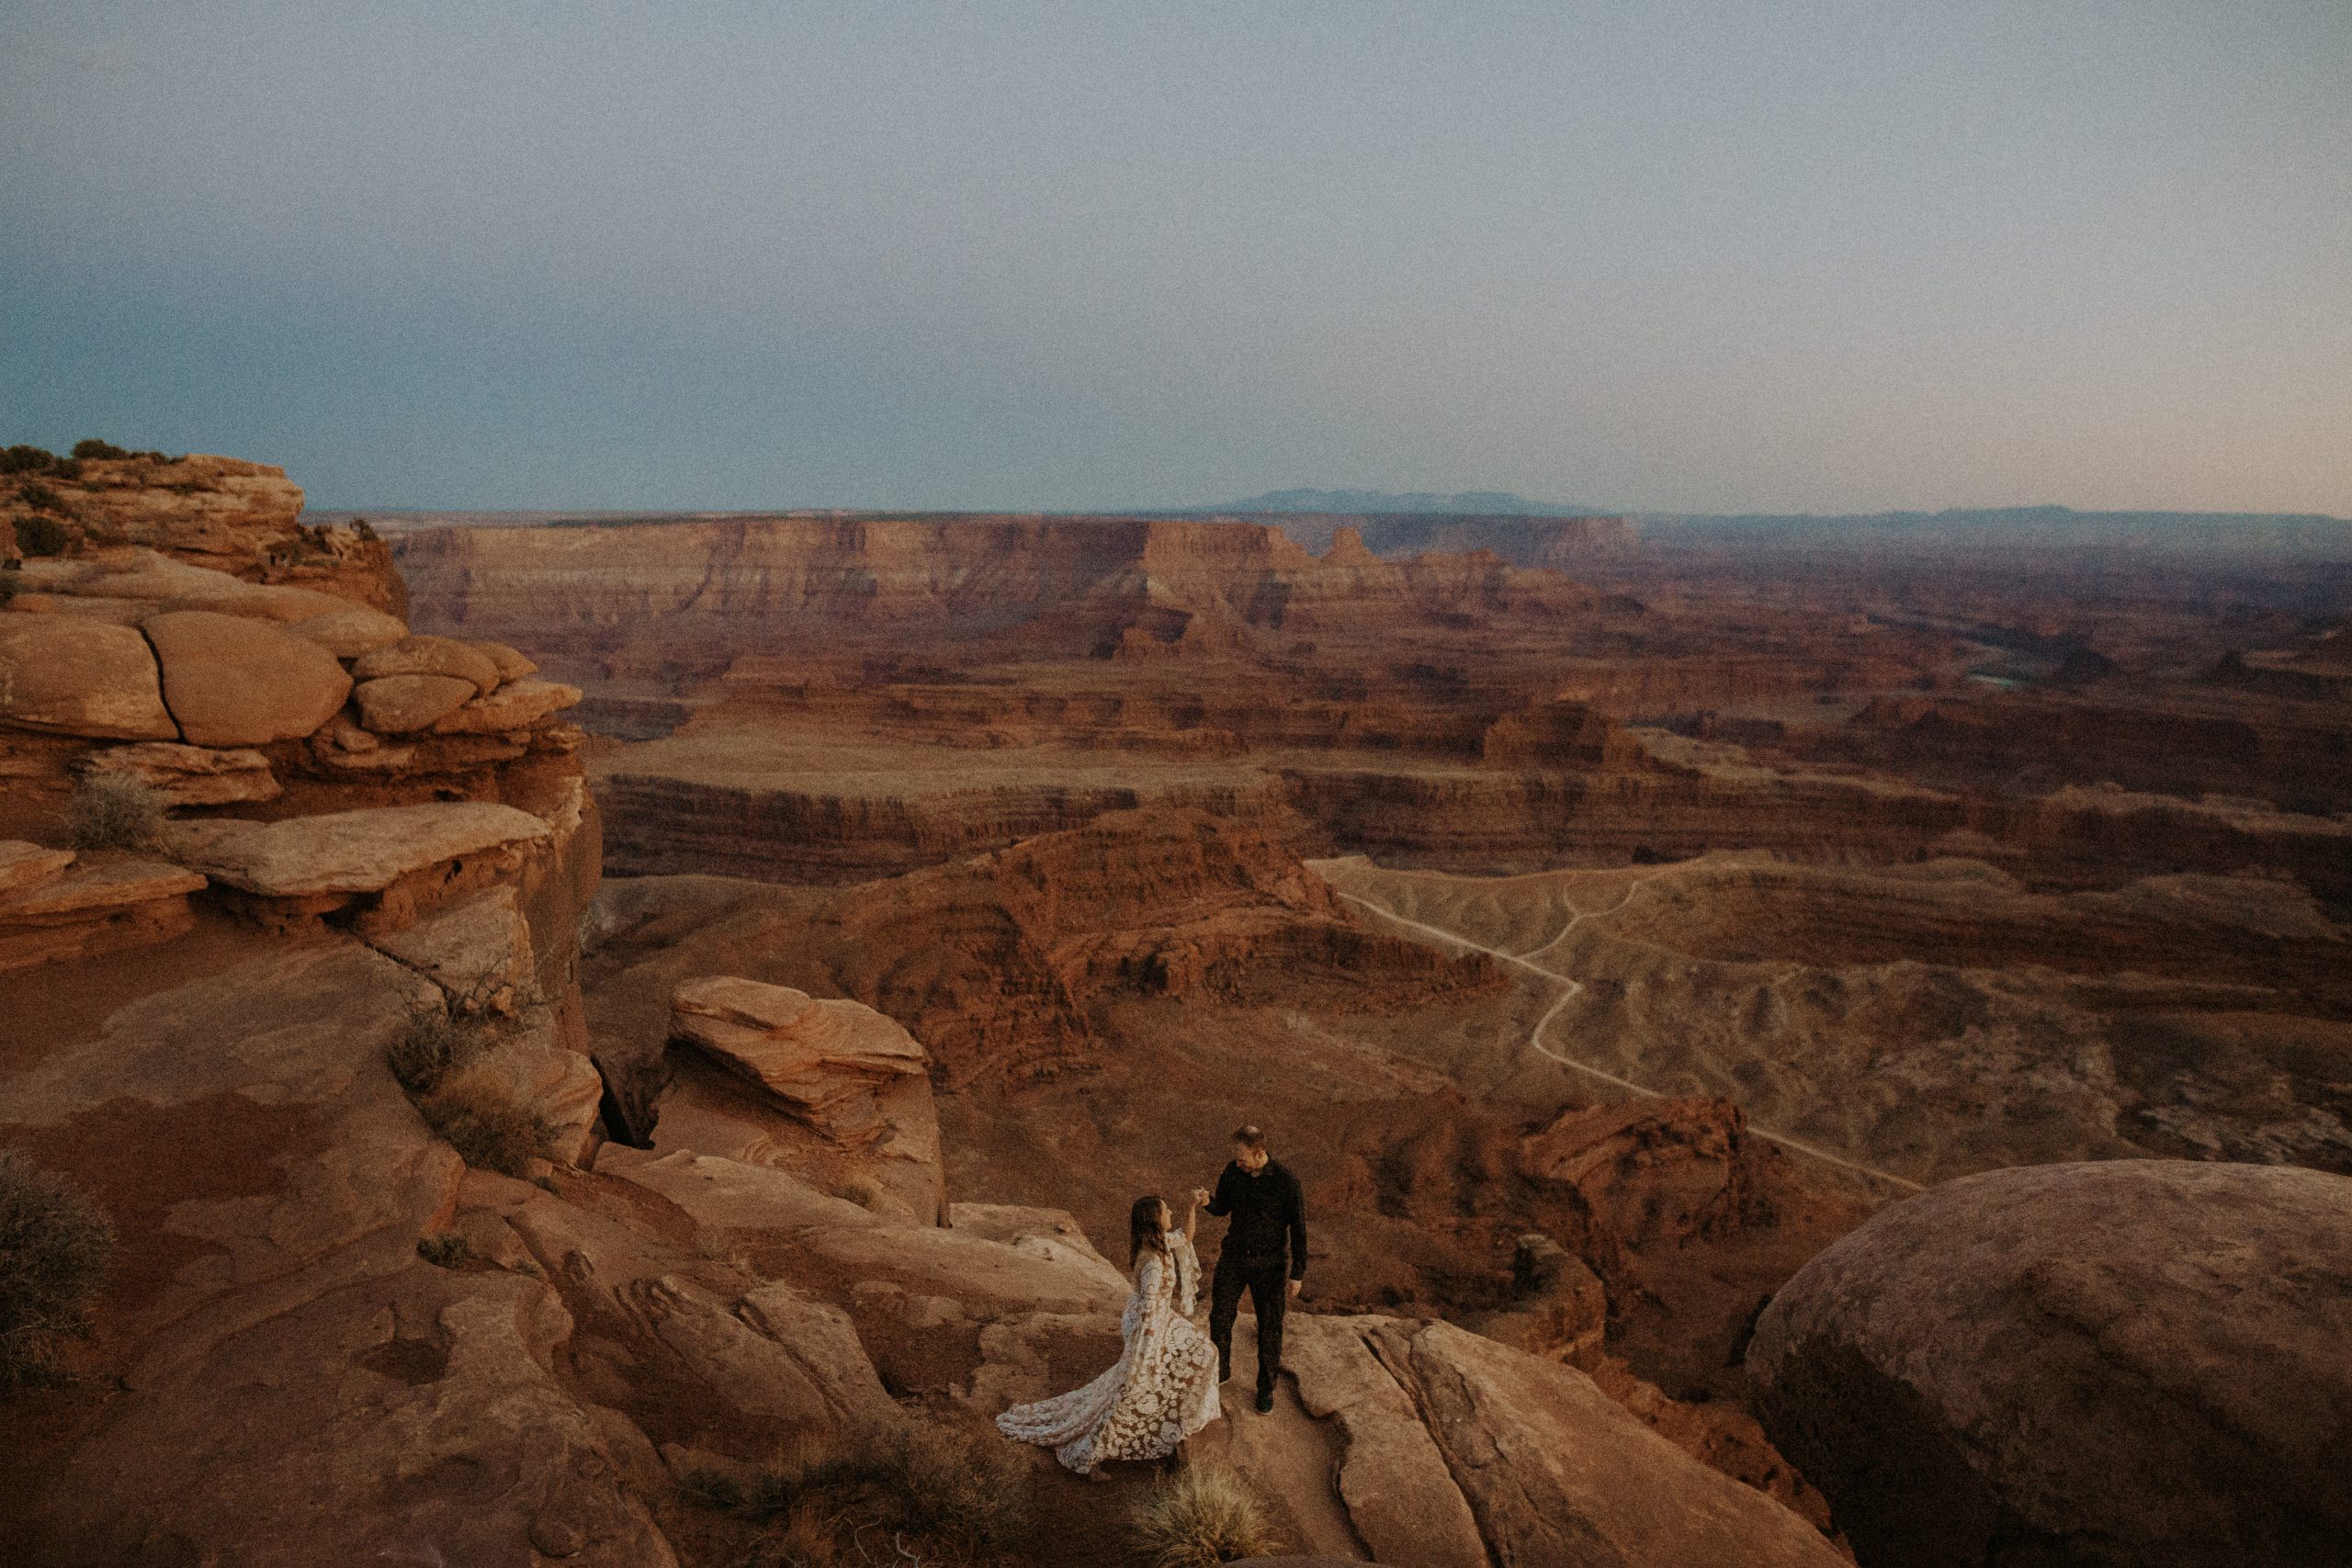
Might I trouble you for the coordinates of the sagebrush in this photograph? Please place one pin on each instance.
(947, 1494)
(55, 1248)
(432, 1044)
(1203, 1516)
(117, 811)
(480, 1117)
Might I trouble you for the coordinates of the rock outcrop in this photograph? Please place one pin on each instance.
(1461, 1451)
(848, 1075)
(53, 908)
(2137, 1362)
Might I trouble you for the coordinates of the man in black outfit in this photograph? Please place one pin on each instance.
(1269, 1221)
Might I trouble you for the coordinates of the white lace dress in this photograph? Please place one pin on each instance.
(1162, 1390)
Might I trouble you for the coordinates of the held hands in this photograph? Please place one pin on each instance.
(1200, 1197)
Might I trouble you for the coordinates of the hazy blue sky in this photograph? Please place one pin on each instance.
(1678, 256)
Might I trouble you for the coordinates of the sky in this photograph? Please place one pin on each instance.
(1740, 257)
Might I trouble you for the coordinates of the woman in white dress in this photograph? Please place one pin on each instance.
(1164, 1387)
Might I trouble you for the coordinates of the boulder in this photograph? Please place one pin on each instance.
(517, 706)
(349, 633)
(2135, 1361)
(820, 1060)
(511, 665)
(233, 682)
(422, 655)
(350, 852)
(402, 704)
(81, 677)
(191, 775)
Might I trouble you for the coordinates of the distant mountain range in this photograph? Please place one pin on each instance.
(1469, 502)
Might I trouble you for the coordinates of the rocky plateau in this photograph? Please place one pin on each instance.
(1787, 1066)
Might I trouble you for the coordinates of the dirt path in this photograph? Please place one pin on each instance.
(1571, 987)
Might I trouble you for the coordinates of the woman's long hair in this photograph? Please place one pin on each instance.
(1144, 1230)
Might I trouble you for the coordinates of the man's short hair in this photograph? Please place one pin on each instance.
(1250, 1135)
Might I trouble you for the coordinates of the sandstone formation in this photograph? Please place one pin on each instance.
(233, 682)
(81, 677)
(191, 775)
(430, 656)
(401, 704)
(2135, 1362)
(51, 907)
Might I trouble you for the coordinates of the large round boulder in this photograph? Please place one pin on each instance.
(398, 704)
(80, 677)
(2143, 1362)
(234, 682)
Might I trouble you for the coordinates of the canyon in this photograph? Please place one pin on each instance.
(1625, 933)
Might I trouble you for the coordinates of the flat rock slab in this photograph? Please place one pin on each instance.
(192, 775)
(24, 865)
(517, 705)
(88, 890)
(349, 852)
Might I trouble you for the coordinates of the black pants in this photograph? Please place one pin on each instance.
(1269, 1288)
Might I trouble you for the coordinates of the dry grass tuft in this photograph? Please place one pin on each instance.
(54, 1248)
(431, 1044)
(116, 811)
(923, 1493)
(476, 1113)
(1204, 1515)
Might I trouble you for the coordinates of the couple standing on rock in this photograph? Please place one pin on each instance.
(1164, 1386)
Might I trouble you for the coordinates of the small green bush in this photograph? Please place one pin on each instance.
(54, 1248)
(27, 461)
(431, 1044)
(474, 1111)
(1203, 1516)
(41, 536)
(94, 448)
(117, 811)
(365, 529)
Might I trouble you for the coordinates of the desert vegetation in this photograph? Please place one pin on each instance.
(1199, 1518)
(117, 811)
(943, 1498)
(477, 1115)
(55, 1247)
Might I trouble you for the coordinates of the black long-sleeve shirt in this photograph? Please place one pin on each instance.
(1268, 1210)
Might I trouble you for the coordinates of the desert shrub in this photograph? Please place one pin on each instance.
(27, 461)
(947, 1492)
(1203, 1516)
(365, 529)
(711, 1489)
(39, 497)
(479, 1117)
(38, 536)
(444, 1249)
(54, 1248)
(117, 811)
(432, 1044)
(94, 448)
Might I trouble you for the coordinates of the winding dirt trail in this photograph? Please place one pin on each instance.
(1571, 987)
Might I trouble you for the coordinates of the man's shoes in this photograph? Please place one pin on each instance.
(1265, 1402)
